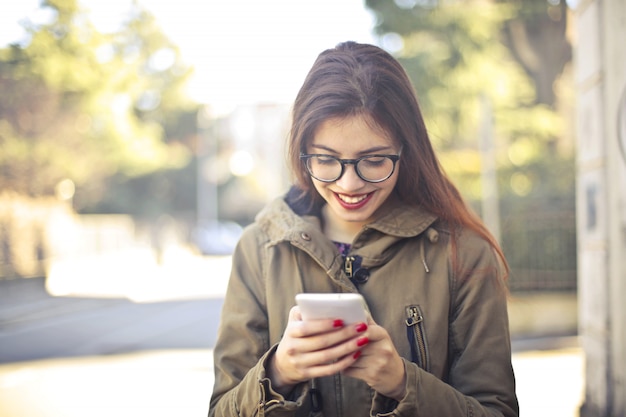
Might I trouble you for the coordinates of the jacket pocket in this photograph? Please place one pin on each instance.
(417, 337)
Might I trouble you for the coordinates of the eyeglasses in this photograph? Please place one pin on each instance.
(370, 168)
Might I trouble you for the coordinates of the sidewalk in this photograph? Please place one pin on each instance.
(156, 384)
(135, 274)
(178, 383)
(550, 383)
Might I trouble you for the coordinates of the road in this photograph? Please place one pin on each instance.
(109, 305)
(51, 327)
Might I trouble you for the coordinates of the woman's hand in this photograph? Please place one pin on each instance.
(314, 348)
(380, 365)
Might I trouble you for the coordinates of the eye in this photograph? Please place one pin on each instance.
(374, 161)
(325, 160)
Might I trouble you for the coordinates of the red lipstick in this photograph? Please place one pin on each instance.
(354, 206)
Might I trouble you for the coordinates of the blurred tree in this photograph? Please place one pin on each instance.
(87, 106)
(477, 62)
(511, 53)
(537, 38)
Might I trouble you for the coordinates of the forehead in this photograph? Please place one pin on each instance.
(350, 134)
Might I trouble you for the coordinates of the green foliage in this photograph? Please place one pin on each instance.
(463, 54)
(87, 106)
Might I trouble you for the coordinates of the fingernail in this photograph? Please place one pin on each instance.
(361, 327)
(356, 355)
(362, 341)
(338, 323)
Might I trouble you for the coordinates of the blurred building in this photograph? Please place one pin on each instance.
(241, 161)
(241, 167)
(600, 59)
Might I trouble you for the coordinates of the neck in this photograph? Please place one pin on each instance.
(339, 231)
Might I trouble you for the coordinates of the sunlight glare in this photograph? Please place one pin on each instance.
(12, 14)
(243, 52)
(248, 52)
(241, 163)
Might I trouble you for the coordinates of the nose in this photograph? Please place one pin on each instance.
(349, 180)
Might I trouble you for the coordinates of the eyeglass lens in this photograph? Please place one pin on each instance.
(370, 168)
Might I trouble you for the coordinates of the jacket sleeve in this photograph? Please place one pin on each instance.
(242, 350)
(480, 380)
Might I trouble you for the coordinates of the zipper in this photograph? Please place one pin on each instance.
(348, 265)
(417, 337)
(353, 270)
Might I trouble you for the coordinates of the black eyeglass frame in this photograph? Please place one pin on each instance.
(344, 162)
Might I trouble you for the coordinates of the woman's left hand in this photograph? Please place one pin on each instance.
(380, 365)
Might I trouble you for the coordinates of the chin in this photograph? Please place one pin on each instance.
(360, 217)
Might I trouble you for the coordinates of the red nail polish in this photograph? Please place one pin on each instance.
(361, 327)
(356, 355)
(362, 341)
(338, 323)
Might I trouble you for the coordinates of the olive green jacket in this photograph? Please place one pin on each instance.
(447, 319)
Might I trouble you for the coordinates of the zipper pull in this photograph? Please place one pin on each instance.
(352, 268)
(414, 317)
(348, 265)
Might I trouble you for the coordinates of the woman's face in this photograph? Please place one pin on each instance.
(352, 201)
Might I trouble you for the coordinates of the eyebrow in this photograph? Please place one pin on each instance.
(369, 151)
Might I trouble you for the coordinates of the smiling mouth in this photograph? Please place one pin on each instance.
(349, 199)
(353, 202)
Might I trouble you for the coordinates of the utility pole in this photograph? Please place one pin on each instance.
(206, 170)
(489, 178)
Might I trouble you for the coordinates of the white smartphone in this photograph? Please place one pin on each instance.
(349, 307)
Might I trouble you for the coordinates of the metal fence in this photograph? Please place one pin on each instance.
(541, 250)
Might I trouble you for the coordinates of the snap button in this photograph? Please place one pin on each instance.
(305, 236)
(361, 276)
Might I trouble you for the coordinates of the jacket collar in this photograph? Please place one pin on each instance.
(401, 221)
(282, 224)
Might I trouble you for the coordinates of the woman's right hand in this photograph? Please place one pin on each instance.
(314, 348)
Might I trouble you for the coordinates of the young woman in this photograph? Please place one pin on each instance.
(371, 212)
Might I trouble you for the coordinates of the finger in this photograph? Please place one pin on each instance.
(323, 326)
(334, 353)
(376, 333)
(294, 314)
(327, 368)
(338, 336)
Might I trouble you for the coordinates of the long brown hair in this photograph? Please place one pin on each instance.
(360, 79)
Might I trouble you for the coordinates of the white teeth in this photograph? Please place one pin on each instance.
(352, 200)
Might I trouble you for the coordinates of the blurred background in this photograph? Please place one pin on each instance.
(137, 138)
